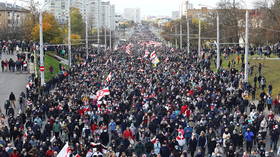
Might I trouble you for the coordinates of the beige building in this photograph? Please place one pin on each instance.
(11, 16)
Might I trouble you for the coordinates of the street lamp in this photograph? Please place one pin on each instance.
(98, 31)
(181, 27)
(110, 25)
(199, 35)
(69, 35)
(218, 60)
(42, 67)
(246, 46)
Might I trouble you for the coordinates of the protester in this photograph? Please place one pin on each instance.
(143, 98)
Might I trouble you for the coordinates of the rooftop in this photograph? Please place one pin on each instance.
(11, 7)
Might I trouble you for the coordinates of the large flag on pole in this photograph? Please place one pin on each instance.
(65, 151)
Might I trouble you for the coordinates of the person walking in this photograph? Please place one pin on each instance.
(12, 99)
(192, 145)
(249, 140)
(274, 137)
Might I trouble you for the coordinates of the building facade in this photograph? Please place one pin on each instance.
(12, 15)
(98, 12)
(107, 15)
(132, 14)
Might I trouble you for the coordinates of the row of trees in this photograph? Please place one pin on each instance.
(56, 33)
(264, 24)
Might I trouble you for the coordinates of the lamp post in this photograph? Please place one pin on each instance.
(181, 28)
(199, 35)
(86, 19)
(105, 37)
(246, 46)
(41, 42)
(176, 40)
(69, 35)
(110, 25)
(188, 34)
(218, 42)
(218, 59)
(42, 72)
(98, 31)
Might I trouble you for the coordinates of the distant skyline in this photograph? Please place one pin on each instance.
(162, 7)
(155, 7)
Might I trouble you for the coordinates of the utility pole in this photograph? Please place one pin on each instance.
(176, 41)
(188, 33)
(181, 27)
(110, 25)
(199, 35)
(98, 33)
(69, 35)
(42, 73)
(218, 42)
(105, 37)
(86, 13)
(246, 46)
(181, 35)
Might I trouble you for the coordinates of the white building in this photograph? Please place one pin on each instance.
(107, 15)
(175, 14)
(91, 8)
(186, 5)
(132, 14)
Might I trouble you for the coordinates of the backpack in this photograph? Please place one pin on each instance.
(7, 104)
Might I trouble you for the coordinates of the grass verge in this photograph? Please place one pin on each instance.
(270, 71)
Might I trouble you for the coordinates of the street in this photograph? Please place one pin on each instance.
(11, 82)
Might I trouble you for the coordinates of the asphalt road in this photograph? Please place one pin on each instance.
(11, 82)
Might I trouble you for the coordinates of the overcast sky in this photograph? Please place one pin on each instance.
(161, 7)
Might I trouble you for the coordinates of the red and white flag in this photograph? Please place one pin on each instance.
(65, 151)
(128, 47)
(146, 54)
(101, 93)
(109, 77)
(153, 55)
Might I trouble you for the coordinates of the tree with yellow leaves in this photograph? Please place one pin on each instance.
(52, 32)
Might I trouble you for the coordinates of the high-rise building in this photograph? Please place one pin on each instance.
(132, 14)
(107, 15)
(186, 6)
(96, 11)
(175, 14)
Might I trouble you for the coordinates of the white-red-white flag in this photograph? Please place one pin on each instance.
(65, 151)
(109, 77)
(153, 55)
(127, 48)
(146, 54)
(101, 93)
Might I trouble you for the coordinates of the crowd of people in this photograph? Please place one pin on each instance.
(142, 99)
(18, 49)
